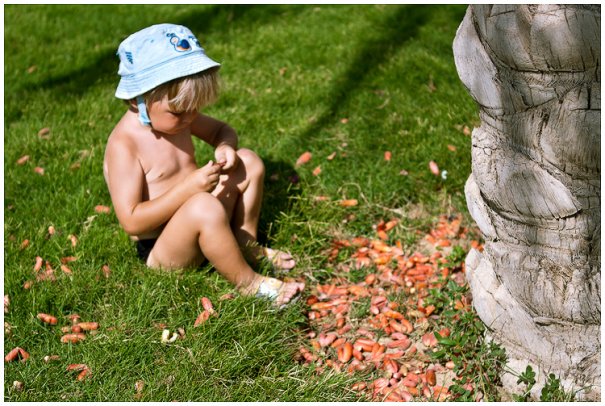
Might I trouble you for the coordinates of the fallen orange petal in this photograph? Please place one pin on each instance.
(38, 265)
(76, 367)
(207, 305)
(47, 318)
(82, 375)
(22, 160)
(106, 271)
(434, 168)
(304, 158)
(348, 202)
(88, 325)
(73, 338)
(74, 317)
(201, 318)
(44, 132)
(431, 378)
(345, 352)
(66, 260)
(102, 209)
(12, 355)
(429, 340)
(359, 386)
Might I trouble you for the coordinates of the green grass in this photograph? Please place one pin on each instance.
(291, 74)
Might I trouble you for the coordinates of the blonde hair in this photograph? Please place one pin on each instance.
(189, 93)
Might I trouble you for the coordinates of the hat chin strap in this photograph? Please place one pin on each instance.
(143, 117)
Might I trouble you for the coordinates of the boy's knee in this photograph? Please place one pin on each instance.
(205, 208)
(253, 163)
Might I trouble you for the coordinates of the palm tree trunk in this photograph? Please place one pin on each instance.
(534, 191)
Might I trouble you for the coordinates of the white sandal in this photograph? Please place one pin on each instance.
(273, 289)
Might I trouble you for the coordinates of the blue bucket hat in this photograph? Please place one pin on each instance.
(156, 55)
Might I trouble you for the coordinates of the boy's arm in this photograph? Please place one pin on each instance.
(126, 180)
(220, 135)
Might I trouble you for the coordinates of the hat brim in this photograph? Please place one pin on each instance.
(134, 85)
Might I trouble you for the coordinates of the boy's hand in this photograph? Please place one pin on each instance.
(206, 178)
(226, 156)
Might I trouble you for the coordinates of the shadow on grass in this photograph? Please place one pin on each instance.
(397, 29)
(104, 67)
(281, 185)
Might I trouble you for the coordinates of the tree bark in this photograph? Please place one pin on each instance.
(534, 191)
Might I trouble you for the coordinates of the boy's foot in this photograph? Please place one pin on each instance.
(281, 293)
(281, 261)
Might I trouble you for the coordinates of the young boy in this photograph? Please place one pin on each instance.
(180, 214)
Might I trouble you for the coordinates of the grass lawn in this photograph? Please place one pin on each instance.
(344, 82)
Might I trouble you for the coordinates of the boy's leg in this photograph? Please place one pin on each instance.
(242, 195)
(200, 228)
(200, 222)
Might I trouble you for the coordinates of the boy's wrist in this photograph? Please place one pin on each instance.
(226, 137)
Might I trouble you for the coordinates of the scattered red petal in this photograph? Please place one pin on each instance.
(207, 305)
(106, 271)
(66, 260)
(38, 265)
(47, 318)
(22, 160)
(429, 340)
(304, 158)
(434, 168)
(102, 209)
(348, 202)
(44, 132)
(227, 296)
(201, 318)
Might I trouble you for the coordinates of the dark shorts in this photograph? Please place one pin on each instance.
(144, 248)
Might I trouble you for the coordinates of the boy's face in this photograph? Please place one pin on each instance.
(165, 120)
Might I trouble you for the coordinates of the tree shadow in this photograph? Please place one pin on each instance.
(103, 68)
(280, 186)
(397, 29)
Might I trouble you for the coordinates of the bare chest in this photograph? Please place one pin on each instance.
(165, 162)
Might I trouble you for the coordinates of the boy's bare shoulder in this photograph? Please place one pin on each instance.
(124, 137)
